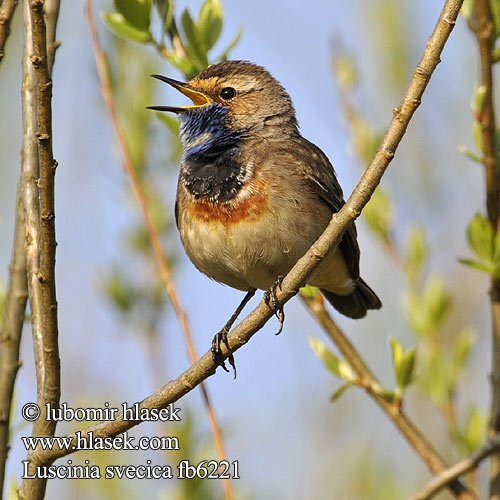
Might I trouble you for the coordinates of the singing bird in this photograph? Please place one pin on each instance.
(253, 194)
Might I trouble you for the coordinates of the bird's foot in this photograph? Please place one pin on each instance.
(221, 338)
(271, 300)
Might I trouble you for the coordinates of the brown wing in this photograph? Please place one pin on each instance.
(321, 176)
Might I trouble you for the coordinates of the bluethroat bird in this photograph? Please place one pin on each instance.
(253, 194)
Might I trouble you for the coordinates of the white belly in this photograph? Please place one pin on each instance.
(253, 254)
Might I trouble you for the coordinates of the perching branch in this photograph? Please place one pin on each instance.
(7, 9)
(484, 30)
(369, 382)
(444, 478)
(164, 268)
(38, 200)
(243, 332)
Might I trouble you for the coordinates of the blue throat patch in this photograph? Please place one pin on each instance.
(204, 129)
(211, 150)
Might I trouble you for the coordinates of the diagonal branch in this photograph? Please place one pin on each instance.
(7, 9)
(165, 273)
(369, 382)
(444, 478)
(244, 331)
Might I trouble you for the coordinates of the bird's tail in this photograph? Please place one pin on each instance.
(356, 303)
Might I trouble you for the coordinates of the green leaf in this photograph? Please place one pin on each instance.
(121, 291)
(378, 214)
(480, 236)
(495, 54)
(13, 488)
(474, 430)
(182, 63)
(488, 269)
(309, 292)
(167, 16)
(333, 363)
(496, 248)
(336, 395)
(345, 72)
(436, 375)
(479, 99)
(461, 350)
(404, 364)
(136, 12)
(477, 133)
(495, 14)
(195, 47)
(231, 46)
(437, 301)
(416, 253)
(468, 10)
(121, 27)
(469, 153)
(210, 22)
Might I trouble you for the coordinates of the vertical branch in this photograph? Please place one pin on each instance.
(48, 166)
(30, 196)
(10, 334)
(484, 31)
(392, 409)
(17, 291)
(38, 200)
(7, 9)
(164, 268)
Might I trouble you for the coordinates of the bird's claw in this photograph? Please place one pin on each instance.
(271, 300)
(217, 356)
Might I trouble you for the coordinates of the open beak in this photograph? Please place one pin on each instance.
(199, 98)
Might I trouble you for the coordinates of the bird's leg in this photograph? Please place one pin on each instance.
(222, 336)
(272, 302)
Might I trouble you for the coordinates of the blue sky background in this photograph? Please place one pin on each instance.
(290, 441)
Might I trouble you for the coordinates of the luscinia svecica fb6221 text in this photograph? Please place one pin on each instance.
(253, 194)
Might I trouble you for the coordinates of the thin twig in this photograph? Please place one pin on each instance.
(444, 478)
(7, 9)
(10, 333)
(163, 265)
(483, 29)
(30, 196)
(51, 17)
(244, 331)
(38, 200)
(369, 382)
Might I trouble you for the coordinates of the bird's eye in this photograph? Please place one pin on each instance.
(227, 93)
